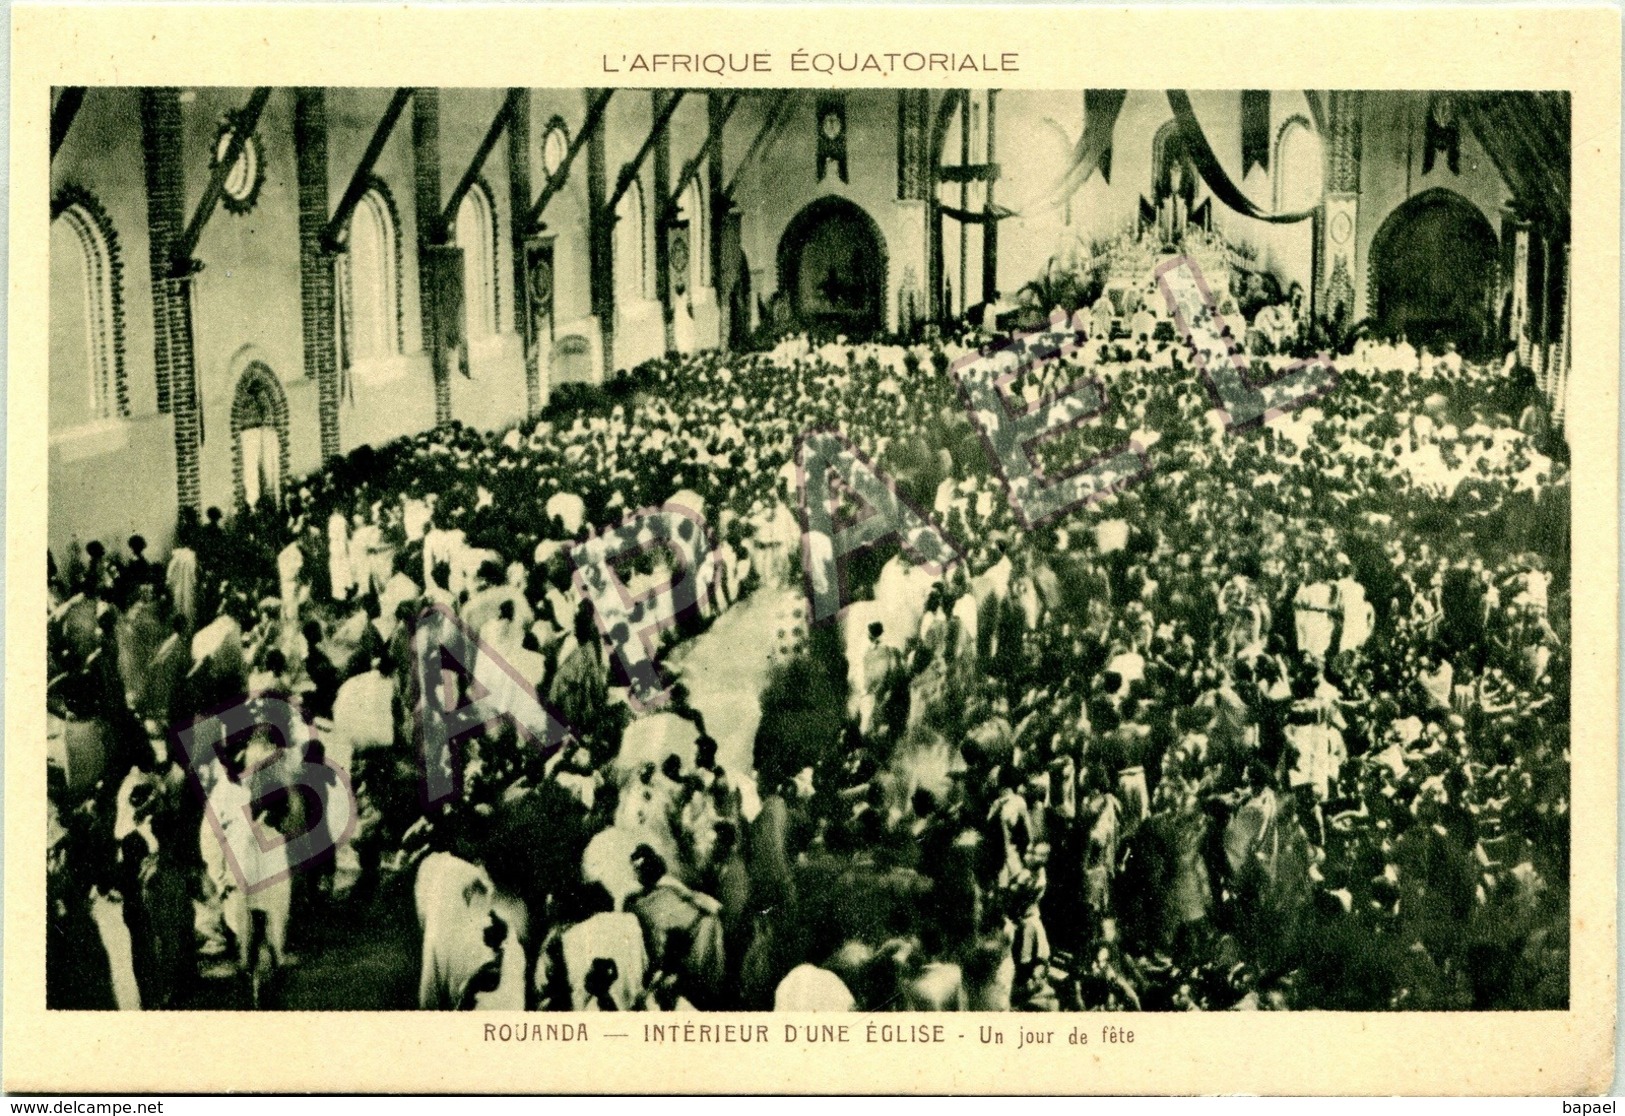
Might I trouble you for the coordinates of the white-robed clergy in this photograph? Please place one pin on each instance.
(340, 575)
(181, 580)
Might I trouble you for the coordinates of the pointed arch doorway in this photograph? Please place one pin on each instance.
(259, 432)
(1434, 267)
(832, 267)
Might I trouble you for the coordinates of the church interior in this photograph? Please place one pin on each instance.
(375, 263)
(1280, 723)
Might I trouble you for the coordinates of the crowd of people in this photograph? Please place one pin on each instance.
(1283, 724)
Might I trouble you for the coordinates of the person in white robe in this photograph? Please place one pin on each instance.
(181, 580)
(441, 547)
(569, 509)
(463, 938)
(366, 542)
(290, 563)
(416, 516)
(1358, 614)
(1314, 607)
(340, 574)
(607, 939)
(504, 667)
(810, 988)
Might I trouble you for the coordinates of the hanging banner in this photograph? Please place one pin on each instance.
(444, 264)
(1443, 134)
(1255, 130)
(832, 134)
(1208, 166)
(1094, 147)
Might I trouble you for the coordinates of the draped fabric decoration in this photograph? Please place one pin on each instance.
(1443, 134)
(1103, 103)
(832, 134)
(1208, 166)
(444, 265)
(1255, 130)
(1093, 149)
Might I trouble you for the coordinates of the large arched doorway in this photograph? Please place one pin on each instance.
(832, 267)
(259, 427)
(1433, 273)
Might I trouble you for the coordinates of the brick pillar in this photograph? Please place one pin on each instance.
(426, 165)
(1564, 361)
(990, 231)
(662, 200)
(519, 200)
(1333, 265)
(171, 296)
(601, 243)
(715, 183)
(913, 138)
(316, 290)
(1518, 318)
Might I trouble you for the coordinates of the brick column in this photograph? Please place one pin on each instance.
(426, 169)
(718, 202)
(1333, 266)
(171, 296)
(913, 138)
(1518, 318)
(601, 243)
(662, 200)
(316, 279)
(519, 200)
(990, 231)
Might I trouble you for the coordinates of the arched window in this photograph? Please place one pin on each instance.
(87, 359)
(629, 245)
(373, 276)
(1298, 169)
(476, 236)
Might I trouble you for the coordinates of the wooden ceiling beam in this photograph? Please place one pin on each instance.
(63, 113)
(657, 128)
(184, 261)
(332, 235)
(556, 181)
(499, 124)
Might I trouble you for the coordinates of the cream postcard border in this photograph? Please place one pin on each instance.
(1332, 47)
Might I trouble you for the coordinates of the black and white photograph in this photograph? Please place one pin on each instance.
(878, 548)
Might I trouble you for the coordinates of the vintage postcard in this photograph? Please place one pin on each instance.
(959, 550)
